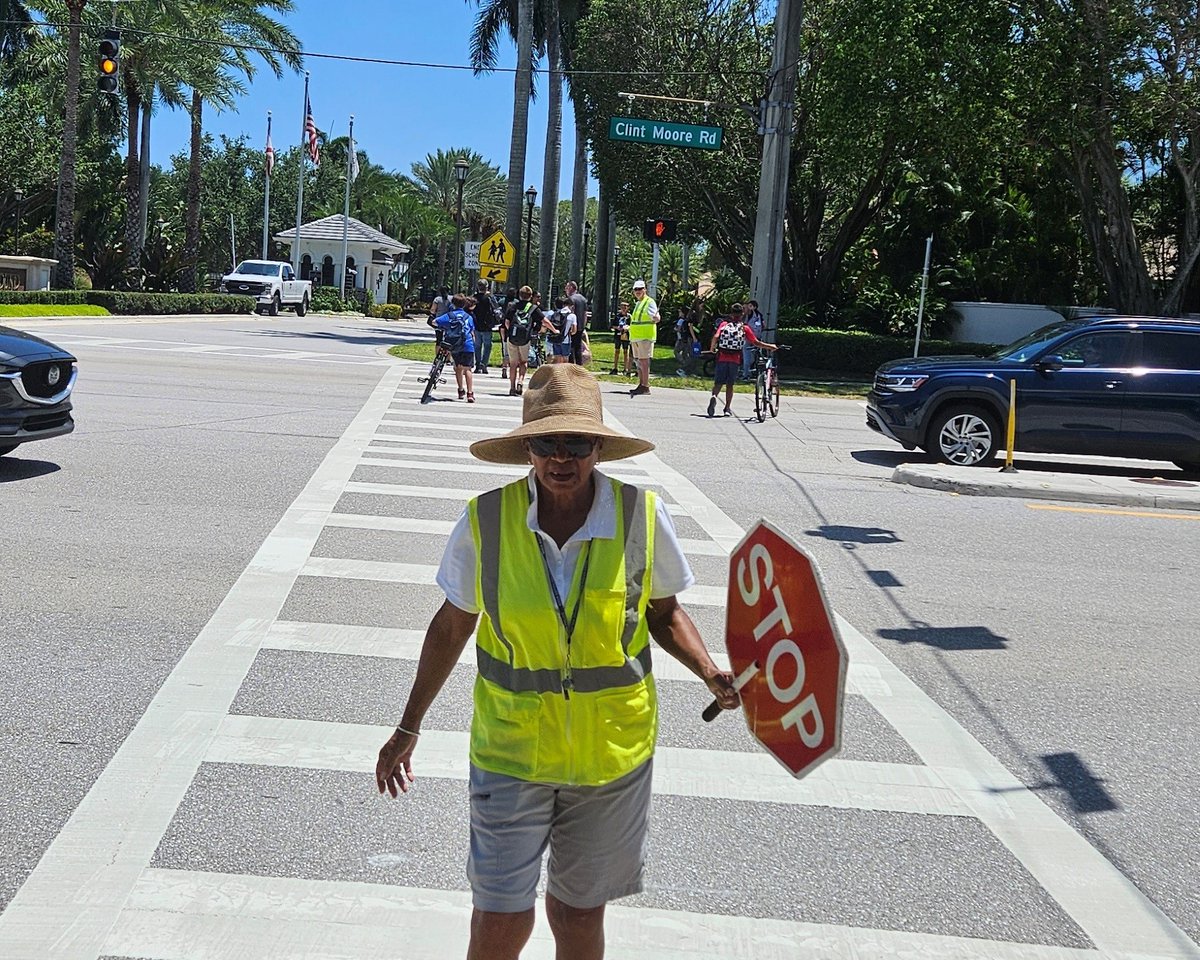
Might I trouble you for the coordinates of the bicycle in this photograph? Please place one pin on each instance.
(766, 385)
(441, 357)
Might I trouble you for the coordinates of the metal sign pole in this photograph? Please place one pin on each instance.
(924, 287)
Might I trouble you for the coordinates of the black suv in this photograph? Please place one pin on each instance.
(1100, 386)
(36, 379)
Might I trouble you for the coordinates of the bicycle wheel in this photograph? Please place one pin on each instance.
(435, 375)
(760, 397)
(773, 394)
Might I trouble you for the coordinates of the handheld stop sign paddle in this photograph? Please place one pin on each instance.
(785, 650)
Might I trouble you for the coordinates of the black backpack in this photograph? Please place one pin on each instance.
(522, 325)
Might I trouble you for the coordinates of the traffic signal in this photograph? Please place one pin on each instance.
(659, 231)
(108, 66)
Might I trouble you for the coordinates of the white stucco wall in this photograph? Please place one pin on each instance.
(37, 270)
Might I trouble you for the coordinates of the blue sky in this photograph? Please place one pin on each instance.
(401, 113)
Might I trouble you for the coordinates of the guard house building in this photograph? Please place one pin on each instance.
(371, 256)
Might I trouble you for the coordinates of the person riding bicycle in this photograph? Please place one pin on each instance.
(457, 336)
(729, 339)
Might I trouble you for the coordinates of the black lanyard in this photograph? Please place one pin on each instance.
(568, 625)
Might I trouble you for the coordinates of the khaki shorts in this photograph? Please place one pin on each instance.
(596, 836)
(518, 354)
(642, 349)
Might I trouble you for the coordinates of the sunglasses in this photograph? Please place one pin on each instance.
(577, 446)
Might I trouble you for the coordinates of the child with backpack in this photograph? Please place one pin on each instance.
(457, 328)
(731, 336)
(523, 324)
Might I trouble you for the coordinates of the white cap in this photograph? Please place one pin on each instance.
(639, 284)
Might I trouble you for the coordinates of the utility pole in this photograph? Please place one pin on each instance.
(776, 129)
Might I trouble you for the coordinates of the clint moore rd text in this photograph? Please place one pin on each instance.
(650, 132)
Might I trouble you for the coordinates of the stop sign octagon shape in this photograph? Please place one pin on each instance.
(780, 629)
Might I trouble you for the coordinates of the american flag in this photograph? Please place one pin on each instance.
(310, 130)
(270, 154)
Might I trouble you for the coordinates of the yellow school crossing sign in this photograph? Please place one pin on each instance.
(490, 273)
(496, 253)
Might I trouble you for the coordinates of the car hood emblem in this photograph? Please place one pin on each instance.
(53, 376)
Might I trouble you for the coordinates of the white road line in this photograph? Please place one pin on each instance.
(425, 414)
(444, 493)
(462, 453)
(177, 915)
(500, 470)
(184, 915)
(1105, 904)
(704, 548)
(387, 424)
(711, 774)
(387, 442)
(74, 895)
(394, 643)
(423, 574)
(440, 528)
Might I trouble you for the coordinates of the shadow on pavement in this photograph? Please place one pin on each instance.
(849, 535)
(889, 458)
(948, 638)
(14, 468)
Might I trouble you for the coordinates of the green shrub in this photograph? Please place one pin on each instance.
(328, 298)
(387, 311)
(859, 354)
(153, 304)
(82, 280)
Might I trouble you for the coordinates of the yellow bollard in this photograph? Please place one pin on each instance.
(1012, 427)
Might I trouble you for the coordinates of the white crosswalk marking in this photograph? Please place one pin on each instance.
(95, 893)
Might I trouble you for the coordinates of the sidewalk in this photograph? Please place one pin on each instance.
(1166, 493)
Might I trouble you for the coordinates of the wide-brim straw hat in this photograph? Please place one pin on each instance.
(560, 398)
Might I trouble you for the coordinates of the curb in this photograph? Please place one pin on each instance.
(1046, 490)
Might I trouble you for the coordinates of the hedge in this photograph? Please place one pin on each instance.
(853, 352)
(386, 311)
(154, 304)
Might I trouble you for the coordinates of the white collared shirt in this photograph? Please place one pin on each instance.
(671, 572)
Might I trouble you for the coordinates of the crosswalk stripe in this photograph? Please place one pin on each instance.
(683, 772)
(386, 425)
(423, 574)
(497, 469)
(395, 643)
(182, 915)
(422, 414)
(444, 493)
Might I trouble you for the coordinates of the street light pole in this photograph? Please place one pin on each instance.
(616, 283)
(19, 195)
(530, 200)
(587, 235)
(461, 169)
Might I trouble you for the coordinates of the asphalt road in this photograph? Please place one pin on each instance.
(1059, 640)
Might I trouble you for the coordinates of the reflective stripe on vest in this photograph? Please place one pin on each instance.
(642, 326)
(524, 725)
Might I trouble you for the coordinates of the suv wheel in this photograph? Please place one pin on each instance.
(964, 436)
(1187, 466)
(8, 448)
(302, 309)
(273, 309)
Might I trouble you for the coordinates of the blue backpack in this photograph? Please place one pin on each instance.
(454, 331)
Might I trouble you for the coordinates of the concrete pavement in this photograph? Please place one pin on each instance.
(1172, 492)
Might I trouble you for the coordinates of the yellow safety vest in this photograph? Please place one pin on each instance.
(603, 725)
(642, 326)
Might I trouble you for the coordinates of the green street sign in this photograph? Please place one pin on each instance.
(661, 133)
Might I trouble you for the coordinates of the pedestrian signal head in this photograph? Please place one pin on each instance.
(108, 66)
(659, 230)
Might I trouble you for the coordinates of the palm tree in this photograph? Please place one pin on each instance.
(434, 181)
(242, 28)
(548, 233)
(517, 17)
(64, 214)
(14, 22)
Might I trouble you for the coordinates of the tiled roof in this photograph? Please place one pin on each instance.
(330, 229)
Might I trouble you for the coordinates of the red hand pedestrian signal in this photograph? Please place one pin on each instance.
(659, 230)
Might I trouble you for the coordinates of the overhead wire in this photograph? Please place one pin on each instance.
(386, 61)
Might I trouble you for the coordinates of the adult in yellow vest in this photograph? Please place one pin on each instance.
(568, 574)
(643, 331)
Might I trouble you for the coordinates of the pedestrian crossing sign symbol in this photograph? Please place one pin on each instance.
(497, 274)
(496, 251)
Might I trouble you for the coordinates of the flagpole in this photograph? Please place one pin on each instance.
(267, 194)
(300, 188)
(346, 209)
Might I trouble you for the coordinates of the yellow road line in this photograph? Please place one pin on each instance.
(1116, 513)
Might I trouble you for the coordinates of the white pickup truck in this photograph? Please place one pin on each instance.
(272, 283)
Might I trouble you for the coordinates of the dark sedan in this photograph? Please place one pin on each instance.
(36, 380)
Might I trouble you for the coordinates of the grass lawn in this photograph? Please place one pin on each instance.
(50, 310)
(662, 371)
